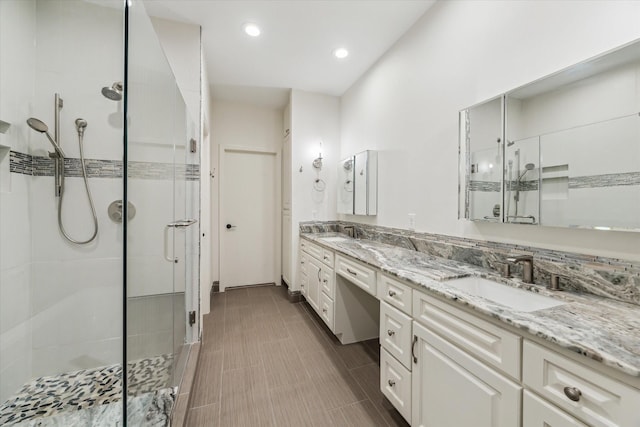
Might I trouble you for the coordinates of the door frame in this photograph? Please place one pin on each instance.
(277, 155)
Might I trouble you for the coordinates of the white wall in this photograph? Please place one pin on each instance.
(246, 126)
(458, 54)
(17, 74)
(315, 118)
(206, 228)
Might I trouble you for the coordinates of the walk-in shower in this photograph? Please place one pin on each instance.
(93, 334)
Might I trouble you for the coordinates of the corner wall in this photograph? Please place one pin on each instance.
(315, 118)
(458, 54)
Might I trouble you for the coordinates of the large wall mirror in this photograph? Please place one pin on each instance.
(570, 150)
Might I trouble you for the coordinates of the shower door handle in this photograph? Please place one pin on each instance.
(183, 223)
(166, 243)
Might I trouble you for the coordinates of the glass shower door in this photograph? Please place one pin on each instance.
(158, 262)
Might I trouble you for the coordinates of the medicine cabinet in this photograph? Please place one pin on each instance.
(358, 184)
(562, 151)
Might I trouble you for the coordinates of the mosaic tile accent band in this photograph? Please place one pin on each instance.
(578, 182)
(484, 186)
(606, 277)
(43, 166)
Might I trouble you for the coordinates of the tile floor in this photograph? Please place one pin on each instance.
(267, 362)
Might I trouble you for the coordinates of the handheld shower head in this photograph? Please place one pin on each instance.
(40, 126)
(528, 167)
(114, 92)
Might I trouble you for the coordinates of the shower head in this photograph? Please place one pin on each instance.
(37, 125)
(114, 92)
(40, 126)
(528, 167)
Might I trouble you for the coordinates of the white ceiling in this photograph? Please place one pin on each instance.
(295, 49)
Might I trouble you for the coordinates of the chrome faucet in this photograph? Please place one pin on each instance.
(527, 266)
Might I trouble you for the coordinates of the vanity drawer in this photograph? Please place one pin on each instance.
(311, 248)
(395, 333)
(538, 413)
(326, 310)
(361, 275)
(489, 343)
(327, 282)
(599, 400)
(395, 293)
(327, 257)
(395, 383)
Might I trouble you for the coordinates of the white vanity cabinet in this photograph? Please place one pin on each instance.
(318, 279)
(442, 364)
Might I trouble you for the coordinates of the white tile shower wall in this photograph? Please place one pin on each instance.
(17, 74)
(73, 66)
(406, 106)
(76, 290)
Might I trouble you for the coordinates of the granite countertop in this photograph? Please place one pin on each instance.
(602, 329)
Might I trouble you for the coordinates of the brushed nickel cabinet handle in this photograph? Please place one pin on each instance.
(319, 273)
(392, 293)
(413, 347)
(324, 310)
(573, 393)
(351, 271)
(391, 383)
(391, 332)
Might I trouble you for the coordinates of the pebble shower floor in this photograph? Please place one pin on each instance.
(81, 390)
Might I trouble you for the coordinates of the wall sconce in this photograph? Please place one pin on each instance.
(317, 163)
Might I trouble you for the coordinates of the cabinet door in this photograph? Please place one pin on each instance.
(286, 247)
(314, 271)
(451, 388)
(539, 413)
(286, 173)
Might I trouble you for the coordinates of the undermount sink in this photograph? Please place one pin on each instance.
(517, 299)
(334, 239)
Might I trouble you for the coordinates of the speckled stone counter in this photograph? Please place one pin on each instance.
(602, 329)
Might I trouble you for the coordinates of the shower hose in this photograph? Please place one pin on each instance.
(93, 209)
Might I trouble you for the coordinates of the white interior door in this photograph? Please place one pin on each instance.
(248, 219)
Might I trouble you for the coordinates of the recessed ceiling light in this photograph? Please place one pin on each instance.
(251, 29)
(341, 53)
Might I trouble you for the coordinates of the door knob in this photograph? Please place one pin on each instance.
(229, 226)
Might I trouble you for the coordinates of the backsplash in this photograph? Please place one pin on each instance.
(605, 277)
